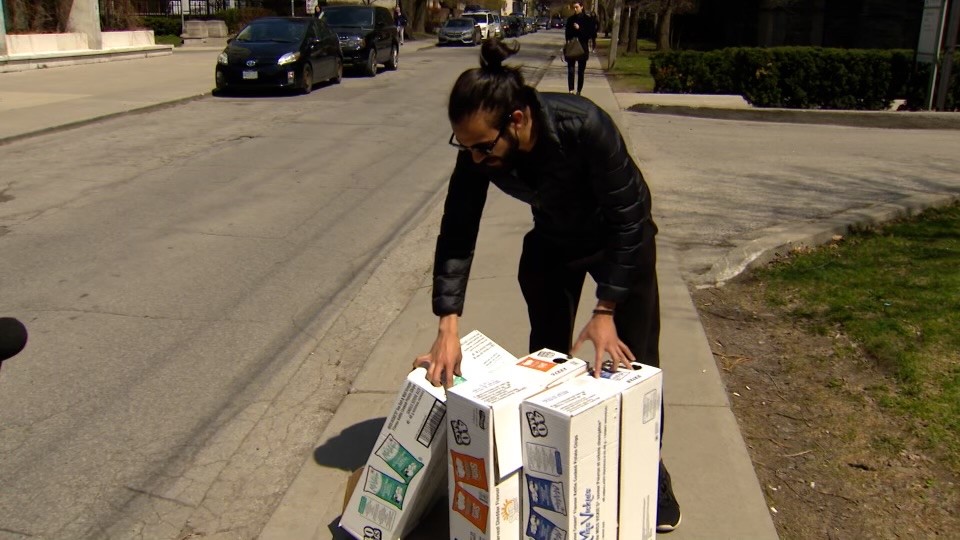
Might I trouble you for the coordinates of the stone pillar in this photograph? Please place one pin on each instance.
(85, 19)
(3, 32)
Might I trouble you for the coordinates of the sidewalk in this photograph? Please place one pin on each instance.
(712, 473)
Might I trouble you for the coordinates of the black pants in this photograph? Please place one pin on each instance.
(581, 66)
(552, 291)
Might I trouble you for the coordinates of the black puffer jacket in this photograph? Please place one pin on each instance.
(587, 195)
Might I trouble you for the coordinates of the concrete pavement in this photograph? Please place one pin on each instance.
(713, 476)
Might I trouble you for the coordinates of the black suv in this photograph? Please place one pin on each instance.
(368, 36)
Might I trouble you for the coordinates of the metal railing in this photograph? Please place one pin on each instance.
(189, 7)
(209, 7)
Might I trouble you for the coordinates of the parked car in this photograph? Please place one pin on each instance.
(543, 23)
(489, 26)
(463, 30)
(497, 25)
(280, 52)
(529, 24)
(368, 36)
(512, 27)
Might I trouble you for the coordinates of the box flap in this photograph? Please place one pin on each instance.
(539, 371)
(506, 438)
(481, 357)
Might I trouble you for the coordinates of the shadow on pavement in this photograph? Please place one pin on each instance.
(348, 451)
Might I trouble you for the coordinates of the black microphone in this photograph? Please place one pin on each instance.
(13, 337)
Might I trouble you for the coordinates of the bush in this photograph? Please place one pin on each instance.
(237, 18)
(163, 26)
(801, 77)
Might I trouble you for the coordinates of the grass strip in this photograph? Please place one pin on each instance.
(896, 291)
(631, 71)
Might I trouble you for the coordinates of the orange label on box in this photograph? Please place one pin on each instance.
(471, 508)
(469, 470)
(533, 363)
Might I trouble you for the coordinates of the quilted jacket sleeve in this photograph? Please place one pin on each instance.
(624, 203)
(466, 196)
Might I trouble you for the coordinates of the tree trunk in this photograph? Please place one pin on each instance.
(663, 31)
(614, 33)
(634, 27)
(624, 24)
(416, 13)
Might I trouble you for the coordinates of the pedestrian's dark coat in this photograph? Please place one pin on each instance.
(586, 32)
(587, 196)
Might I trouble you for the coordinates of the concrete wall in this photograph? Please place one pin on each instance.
(128, 38)
(85, 19)
(27, 44)
(42, 43)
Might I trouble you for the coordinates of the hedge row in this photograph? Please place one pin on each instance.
(235, 18)
(801, 77)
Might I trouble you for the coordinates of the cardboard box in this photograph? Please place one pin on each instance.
(405, 472)
(483, 436)
(640, 405)
(571, 449)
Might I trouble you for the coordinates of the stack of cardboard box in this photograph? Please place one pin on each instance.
(484, 436)
(405, 473)
(533, 448)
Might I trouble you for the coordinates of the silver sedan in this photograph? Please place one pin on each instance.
(462, 30)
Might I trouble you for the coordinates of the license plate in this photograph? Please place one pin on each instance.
(247, 75)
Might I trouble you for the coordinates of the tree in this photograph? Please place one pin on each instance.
(664, 10)
(633, 28)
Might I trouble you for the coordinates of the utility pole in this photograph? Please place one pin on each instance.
(615, 33)
(931, 36)
(950, 45)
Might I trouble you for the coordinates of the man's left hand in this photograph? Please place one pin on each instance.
(603, 333)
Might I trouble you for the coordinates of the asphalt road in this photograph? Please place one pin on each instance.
(178, 267)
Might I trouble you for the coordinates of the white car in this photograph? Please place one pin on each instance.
(489, 23)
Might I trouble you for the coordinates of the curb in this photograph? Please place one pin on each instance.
(866, 119)
(28, 62)
(88, 121)
(779, 240)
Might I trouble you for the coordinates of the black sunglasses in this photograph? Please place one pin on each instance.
(484, 148)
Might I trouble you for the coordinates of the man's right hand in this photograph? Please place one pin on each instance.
(443, 360)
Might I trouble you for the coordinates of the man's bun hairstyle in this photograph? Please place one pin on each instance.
(493, 52)
(493, 87)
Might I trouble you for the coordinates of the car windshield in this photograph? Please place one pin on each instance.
(348, 17)
(480, 17)
(276, 30)
(460, 23)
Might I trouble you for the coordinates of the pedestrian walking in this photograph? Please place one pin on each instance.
(582, 28)
(401, 22)
(591, 207)
(318, 10)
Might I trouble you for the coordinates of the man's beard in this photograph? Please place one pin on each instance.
(509, 158)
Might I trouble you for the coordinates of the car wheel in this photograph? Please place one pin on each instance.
(370, 68)
(394, 62)
(307, 81)
(338, 72)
